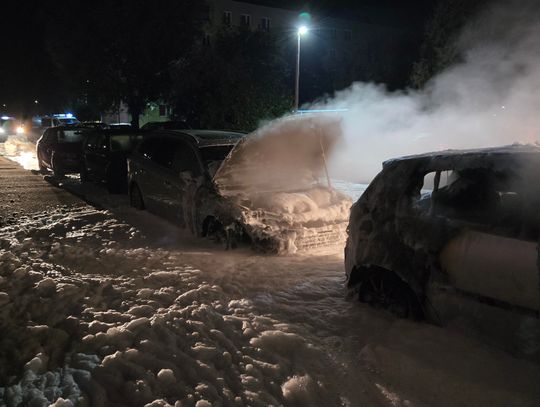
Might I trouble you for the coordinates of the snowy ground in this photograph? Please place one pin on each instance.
(117, 307)
(20, 150)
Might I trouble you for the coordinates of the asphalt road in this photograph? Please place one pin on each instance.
(24, 192)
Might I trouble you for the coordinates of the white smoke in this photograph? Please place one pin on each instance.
(490, 98)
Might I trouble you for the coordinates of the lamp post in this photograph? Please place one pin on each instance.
(301, 31)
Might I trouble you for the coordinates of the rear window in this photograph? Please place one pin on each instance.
(70, 136)
(124, 142)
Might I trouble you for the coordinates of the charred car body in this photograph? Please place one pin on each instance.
(450, 235)
(261, 189)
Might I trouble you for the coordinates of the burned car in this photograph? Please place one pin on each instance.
(446, 234)
(264, 188)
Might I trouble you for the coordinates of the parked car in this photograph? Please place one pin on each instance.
(55, 120)
(104, 157)
(9, 126)
(451, 235)
(262, 190)
(59, 149)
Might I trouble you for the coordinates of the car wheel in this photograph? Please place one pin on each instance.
(384, 289)
(217, 233)
(57, 168)
(84, 174)
(135, 197)
(41, 166)
(115, 184)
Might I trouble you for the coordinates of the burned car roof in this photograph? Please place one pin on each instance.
(212, 137)
(473, 157)
(203, 138)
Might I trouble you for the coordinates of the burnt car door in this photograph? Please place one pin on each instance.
(494, 256)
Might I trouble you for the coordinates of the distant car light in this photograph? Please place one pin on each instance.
(20, 130)
(2, 131)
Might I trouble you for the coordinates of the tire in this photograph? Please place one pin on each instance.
(135, 197)
(83, 175)
(217, 233)
(41, 166)
(57, 168)
(115, 185)
(385, 290)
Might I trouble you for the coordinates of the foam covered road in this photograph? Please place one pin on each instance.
(117, 307)
(22, 192)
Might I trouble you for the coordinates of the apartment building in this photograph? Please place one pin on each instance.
(334, 36)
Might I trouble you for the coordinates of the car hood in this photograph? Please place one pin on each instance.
(285, 155)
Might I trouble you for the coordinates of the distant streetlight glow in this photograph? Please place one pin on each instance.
(36, 101)
(303, 30)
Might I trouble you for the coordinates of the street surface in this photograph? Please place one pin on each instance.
(22, 193)
(118, 307)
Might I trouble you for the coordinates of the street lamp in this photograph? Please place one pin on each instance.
(302, 30)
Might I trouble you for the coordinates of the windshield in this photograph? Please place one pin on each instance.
(213, 156)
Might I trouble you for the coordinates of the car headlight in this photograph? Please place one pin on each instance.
(20, 130)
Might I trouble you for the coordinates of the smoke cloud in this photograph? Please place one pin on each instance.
(490, 98)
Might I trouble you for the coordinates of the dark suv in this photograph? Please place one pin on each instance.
(452, 235)
(60, 148)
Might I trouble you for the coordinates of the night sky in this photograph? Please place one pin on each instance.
(27, 72)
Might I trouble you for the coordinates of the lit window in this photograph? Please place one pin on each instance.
(245, 20)
(227, 17)
(265, 24)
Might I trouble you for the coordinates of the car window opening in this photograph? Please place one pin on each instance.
(496, 200)
(70, 136)
(124, 142)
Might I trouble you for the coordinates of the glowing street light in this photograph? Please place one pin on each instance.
(302, 30)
